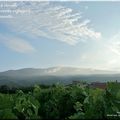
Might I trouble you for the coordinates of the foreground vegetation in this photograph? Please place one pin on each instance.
(62, 102)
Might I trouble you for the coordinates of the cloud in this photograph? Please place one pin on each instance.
(86, 7)
(16, 44)
(53, 70)
(83, 57)
(60, 52)
(112, 62)
(105, 54)
(53, 21)
(114, 44)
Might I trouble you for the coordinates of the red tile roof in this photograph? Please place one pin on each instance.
(98, 85)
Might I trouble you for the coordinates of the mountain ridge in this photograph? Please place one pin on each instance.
(63, 75)
(58, 71)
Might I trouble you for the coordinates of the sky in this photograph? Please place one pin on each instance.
(49, 34)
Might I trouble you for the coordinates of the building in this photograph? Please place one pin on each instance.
(98, 85)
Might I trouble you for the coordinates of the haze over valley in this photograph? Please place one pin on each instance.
(54, 75)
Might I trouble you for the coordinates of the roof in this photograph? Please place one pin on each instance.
(98, 85)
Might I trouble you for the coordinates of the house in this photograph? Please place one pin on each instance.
(98, 85)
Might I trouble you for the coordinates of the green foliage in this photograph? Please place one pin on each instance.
(26, 106)
(62, 102)
(80, 114)
(37, 91)
(94, 104)
(7, 114)
(112, 98)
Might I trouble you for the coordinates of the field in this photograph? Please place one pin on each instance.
(61, 102)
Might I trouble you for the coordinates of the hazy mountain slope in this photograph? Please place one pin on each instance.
(57, 71)
(65, 75)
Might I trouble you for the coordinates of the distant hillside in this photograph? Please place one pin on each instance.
(64, 75)
(57, 71)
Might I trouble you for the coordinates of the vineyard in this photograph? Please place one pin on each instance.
(62, 102)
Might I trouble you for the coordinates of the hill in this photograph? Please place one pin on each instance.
(64, 75)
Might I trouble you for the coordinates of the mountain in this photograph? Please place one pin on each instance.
(56, 71)
(65, 75)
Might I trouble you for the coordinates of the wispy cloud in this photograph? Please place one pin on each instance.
(86, 7)
(60, 52)
(114, 44)
(107, 54)
(16, 44)
(54, 21)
